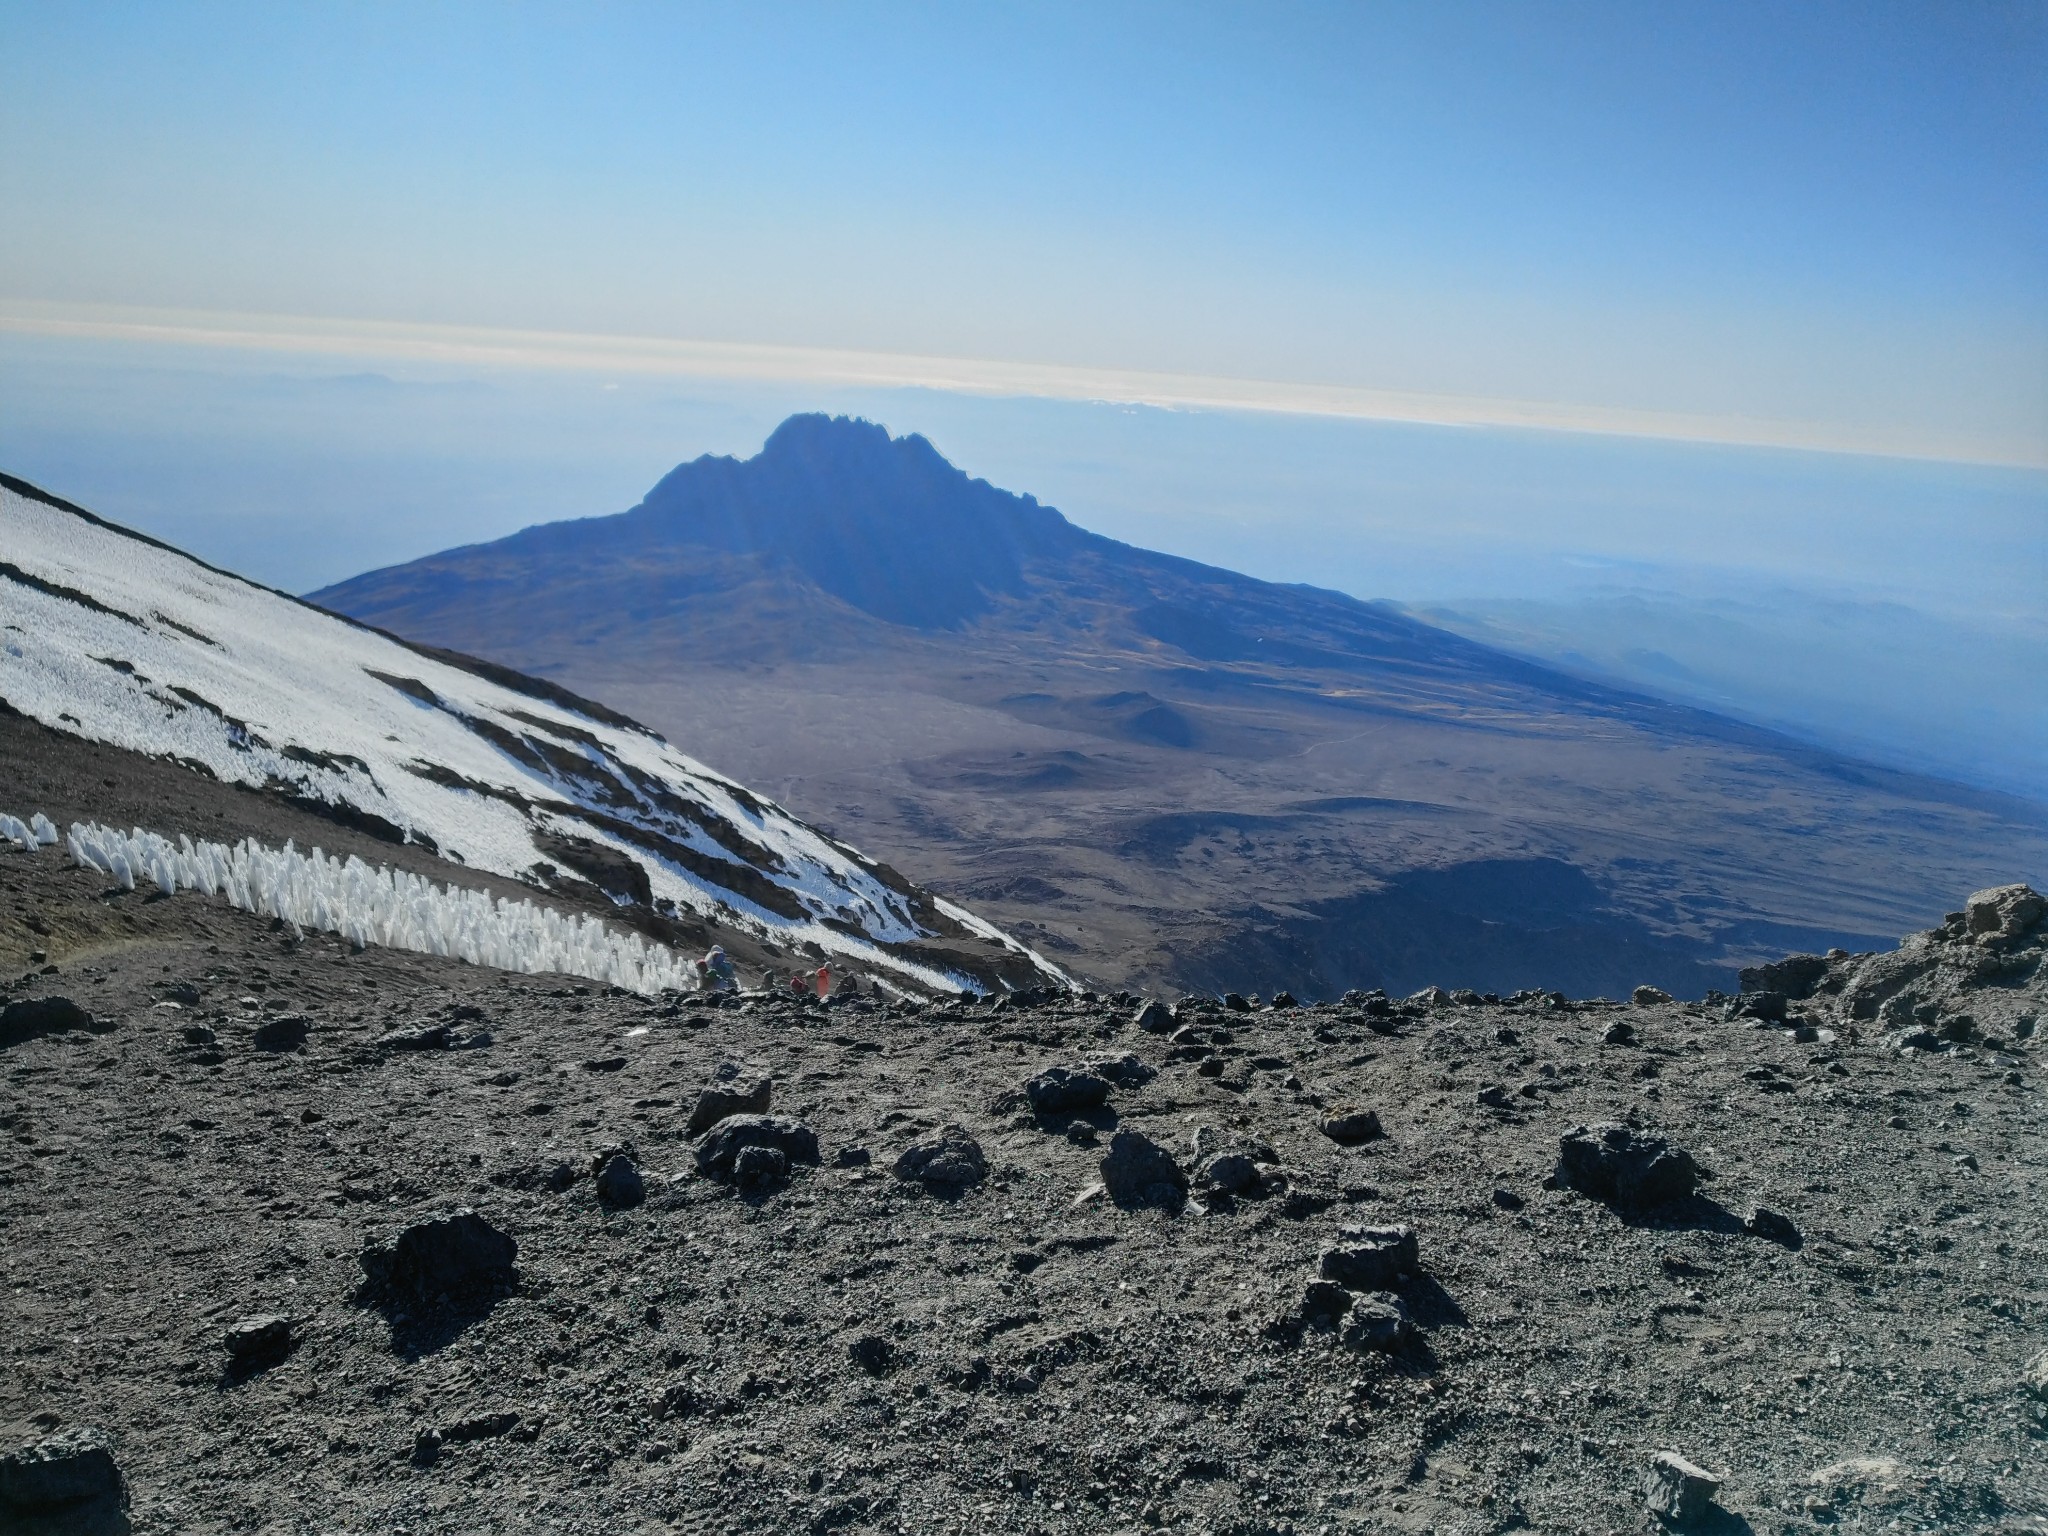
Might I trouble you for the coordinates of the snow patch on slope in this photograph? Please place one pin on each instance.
(112, 637)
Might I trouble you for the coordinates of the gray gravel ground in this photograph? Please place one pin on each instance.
(845, 1350)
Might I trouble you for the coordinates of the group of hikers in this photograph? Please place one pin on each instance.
(717, 973)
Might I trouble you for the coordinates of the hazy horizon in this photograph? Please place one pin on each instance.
(1704, 348)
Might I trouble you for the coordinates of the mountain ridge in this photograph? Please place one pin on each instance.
(1137, 733)
(126, 641)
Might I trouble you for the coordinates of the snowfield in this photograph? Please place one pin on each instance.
(110, 636)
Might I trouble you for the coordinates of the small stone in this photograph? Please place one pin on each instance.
(1644, 997)
(1370, 1258)
(1620, 1032)
(733, 1091)
(1284, 1000)
(68, 1477)
(1065, 1090)
(1677, 1490)
(258, 1339)
(619, 1182)
(426, 1037)
(1493, 1098)
(1324, 1303)
(1234, 1173)
(758, 1168)
(718, 1150)
(1351, 1127)
(1125, 1070)
(1774, 1225)
(1625, 1167)
(1154, 1017)
(1138, 1172)
(286, 1032)
(949, 1158)
(1378, 1322)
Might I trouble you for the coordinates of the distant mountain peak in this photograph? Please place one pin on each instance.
(885, 524)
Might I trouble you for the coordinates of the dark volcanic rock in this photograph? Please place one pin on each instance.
(1795, 976)
(619, 1184)
(456, 1255)
(1154, 1017)
(1625, 1167)
(758, 1167)
(1378, 1322)
(872, 1353)
(1774, 1225)
(258, 1340)
(1370, 1258)
(286, 1032)
(43, 1016)
(1125, 1070)
(1065, 1090)
(949, 1158)
(1138, 1172)
(1351, 1127)
(69, 1477)
(719, 1148)
(733, 1091)
(430, 1037)
(1677, 1490)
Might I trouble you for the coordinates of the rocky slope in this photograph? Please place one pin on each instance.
(1444, 1263)
(1170, 775)
(112, 638)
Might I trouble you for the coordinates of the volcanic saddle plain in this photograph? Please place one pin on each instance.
(1450, 1262)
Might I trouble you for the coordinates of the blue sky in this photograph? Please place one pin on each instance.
(1705, 345)
(1824, 219)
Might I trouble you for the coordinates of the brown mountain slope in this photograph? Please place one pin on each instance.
(1168, 773)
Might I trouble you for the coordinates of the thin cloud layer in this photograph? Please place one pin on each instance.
(650, 356)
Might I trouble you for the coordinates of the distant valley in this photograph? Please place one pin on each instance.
(1165, 774)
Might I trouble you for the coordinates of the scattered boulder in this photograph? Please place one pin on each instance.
(1236, 1002)
(44, 1016)
(1066, 1090)
(1625, 1167)
(1378, 1322)
(1351, 1127)
(453, 1256)
(1284, 1000)
(1324, 1304)
(732, 1091)
(1646, 996)
(2003, 914)
(1138, 1172)
(1620, 1032)
(1774, 1225)
(759, 1168)
(1154, 1017)
(285, 1032)
(1125, 1070)
(1767, 1007)
(1370, 1258)
(261, 1339)
(1797, 976)
(1234, 1173)
(427, 1037)
(1494, 1097)
(1678, 1491)
(719, 1149)
(618, 1178)
(948, 1159)
(70, 1477)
